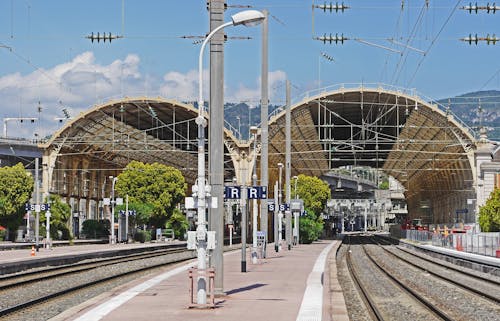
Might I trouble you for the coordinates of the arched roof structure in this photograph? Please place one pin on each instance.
(101, 141)
(416, 141)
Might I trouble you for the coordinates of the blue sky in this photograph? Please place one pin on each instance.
(53, 63)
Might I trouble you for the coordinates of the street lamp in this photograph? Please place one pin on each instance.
(201, 189)
(253, 131)
(112, 201)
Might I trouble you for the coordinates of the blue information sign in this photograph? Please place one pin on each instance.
(253, 192)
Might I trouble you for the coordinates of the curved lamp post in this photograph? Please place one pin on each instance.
(201, 190)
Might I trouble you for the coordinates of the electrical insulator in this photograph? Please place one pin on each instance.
(492, 8)
(489, 8)
(470, 39)
(332, 7)
(471, 8)
(331, 38)
(102, 37)
(493, 39)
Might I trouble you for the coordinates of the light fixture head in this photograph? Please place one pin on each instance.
(248, 18)
(254, 129)
(280, 164)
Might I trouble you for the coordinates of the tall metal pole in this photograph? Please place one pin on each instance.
(216, 138)
(264, 133)
(37, 205)
(244, 226)
(255, 211)
(200, 189)
(275, 217)
(113, 208)
(126, 218)
(280, 201)
(288, 214)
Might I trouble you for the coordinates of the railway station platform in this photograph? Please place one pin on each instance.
(299, 284)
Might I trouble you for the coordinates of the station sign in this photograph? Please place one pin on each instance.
(37, 207)
(271, 207)
(130, 213)
(253, 192)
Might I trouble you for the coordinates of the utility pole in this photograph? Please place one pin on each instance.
(244, 225)
(216, 137)
(288, 147)
(37, 205)
(264, 131)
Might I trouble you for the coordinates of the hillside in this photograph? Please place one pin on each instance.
(466, 107)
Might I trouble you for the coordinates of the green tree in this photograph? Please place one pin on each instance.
(159, 186)
(179, 223)
(315, 194)
(60, 213)
(313, 191)
(310, 228)
(16, 187)
(489, 214)
(384, 184)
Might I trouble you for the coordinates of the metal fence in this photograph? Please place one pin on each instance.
(484, 243)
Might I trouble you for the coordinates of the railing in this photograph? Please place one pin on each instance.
(482, 243)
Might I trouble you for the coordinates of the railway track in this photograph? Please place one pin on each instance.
(449, 293)
(376, 305)
(72, 279)
(442, 269)
(20, 279)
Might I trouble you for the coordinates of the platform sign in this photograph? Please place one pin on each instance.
(257, 192)
(253, 192)
(284, 207)
(462, 211)
(232, 192)
(36, 207)
(270, 206)
(130, 212)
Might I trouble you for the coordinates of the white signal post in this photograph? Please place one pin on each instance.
(113, 239)
(201, 190)
(47, 216)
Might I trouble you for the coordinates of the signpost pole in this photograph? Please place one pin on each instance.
(244, 226)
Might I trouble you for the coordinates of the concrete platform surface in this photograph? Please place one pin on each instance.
(289, 285)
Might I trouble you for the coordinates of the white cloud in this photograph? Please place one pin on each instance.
(252, 95)
(82, 82)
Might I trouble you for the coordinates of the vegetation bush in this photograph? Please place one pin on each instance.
(2, 235)
(96, 228)
(179, 223)
(142, 236)
(310, 228)
(489, 214)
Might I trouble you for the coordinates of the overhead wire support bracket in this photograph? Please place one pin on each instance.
(376, 45)
(406, 46)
